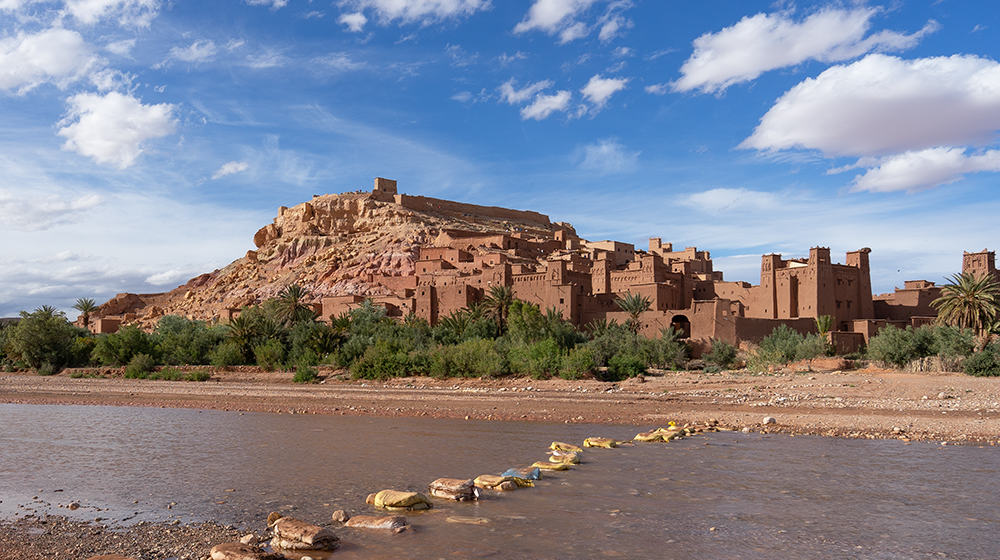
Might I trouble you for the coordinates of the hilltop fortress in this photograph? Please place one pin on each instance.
(432, 257)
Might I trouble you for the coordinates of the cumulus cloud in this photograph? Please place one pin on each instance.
(138, 13)
(113, 128)
(606, 157)
(553, 16)
(545, 105)
(231, 168)
(355, 21)
(881, 105)
(728, 199)
(598, 90)
(923, 169)
(34, 212)
(512, 95)
(273, 4)
(765, 42)
(201, 50)
(57, 56)
(416, 11)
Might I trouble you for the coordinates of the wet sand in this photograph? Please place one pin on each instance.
(946, 407)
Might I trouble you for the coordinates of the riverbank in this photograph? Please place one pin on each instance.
(947, 407)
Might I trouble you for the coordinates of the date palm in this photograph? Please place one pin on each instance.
(85, 306)
(292, 305)
(497, 305)
(635, 305)
(969, 301)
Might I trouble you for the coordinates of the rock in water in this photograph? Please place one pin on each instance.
(395, 523)
(454, 489)
(240, 551)
(340, 516)
(293, 534)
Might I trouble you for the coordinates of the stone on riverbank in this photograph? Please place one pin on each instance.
(240, 551)
(294, 534)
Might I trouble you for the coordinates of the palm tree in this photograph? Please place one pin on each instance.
(242, 332)
(85, 306)
(634, 305)
(292, 306)
(824, 324)
(497, 305)
(969, 301)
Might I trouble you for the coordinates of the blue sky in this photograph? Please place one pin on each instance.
(143, 142)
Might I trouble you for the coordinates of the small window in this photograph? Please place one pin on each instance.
(561, 301)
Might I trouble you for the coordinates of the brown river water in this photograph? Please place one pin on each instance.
(715, 496)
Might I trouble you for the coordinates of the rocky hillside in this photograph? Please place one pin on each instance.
(329, 245)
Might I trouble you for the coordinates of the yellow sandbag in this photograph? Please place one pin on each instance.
(394, 500)
(547, 466)
(571, 458)
(659, 434)
(565, 447)
(494, 482)
(648, 436)
(604, 442)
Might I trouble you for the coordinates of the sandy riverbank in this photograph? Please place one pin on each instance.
(949, 407)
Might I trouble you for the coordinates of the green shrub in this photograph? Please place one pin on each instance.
(952, 342)
(471, 358)
(722, 354)
(182, 341)
(666, 352)
(782, 345)
(893, 346)
(47, 369)
(540, 360)
(624, 365)
(309, 342)
(269, 355)
(226, 354)
(812, 346)
(578, 363)
(305, 374)
(985, 363)
(120, 347)
(140, 366)
(609, 341)
(198, 376)
(166, 374)
(41, 337)
(383, 360)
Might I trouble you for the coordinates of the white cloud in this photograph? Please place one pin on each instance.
(113, 128)
(418, 11)
(108, 79)
(552, 16)
(339, 62)
(355, 21)
(121, 48)
(657, 89)
(267, 58)
(729, 199)
(459, 56)
(510, 94)
(504, 59)
(883, 105)
(138, 13)
(573, 32)
(923, 169)
(274, 4)
(34, 212)
(606, 157)
(201, 50)
(545, 105)
(765, 42)
(613, 27)
(469, 97)
(598, 90)
(230, 168)
(58, 56)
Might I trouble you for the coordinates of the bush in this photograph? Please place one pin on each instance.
(119, 348)
(269, 355)
(666, 352)
(226, 354)
(309, 342)
(722, 354)
(305, 374)
(624, 365)
(952, 342)
(41, 337)
(985, 363)
(812, 346)
(578, 363)
(182, 341)
(472, 358)
(47, 369)
(140, 366)
(166, 374)
(893, 346)
(539, 360)
(612, 340)
(198, 376)
(383, 360)
(782, 345)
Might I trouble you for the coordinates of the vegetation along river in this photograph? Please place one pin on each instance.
(722, 495)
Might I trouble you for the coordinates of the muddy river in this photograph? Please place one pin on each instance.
(725, 495)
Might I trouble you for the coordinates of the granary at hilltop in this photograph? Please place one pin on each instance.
(432, 257)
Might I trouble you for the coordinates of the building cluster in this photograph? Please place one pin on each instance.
(556, 269)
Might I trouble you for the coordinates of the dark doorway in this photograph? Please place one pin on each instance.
(682, 325)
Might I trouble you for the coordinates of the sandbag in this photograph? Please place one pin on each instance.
(235, 551)
(549, 466)
(394, 523)
(494, 482)
(293, 534)
(395, 500)
(567, 447)
(570, 458)
(661, 434)
(454, 489)
(531, 473)
(604, 442)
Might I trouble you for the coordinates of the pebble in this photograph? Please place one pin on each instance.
(769, 420)
(340, 516)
